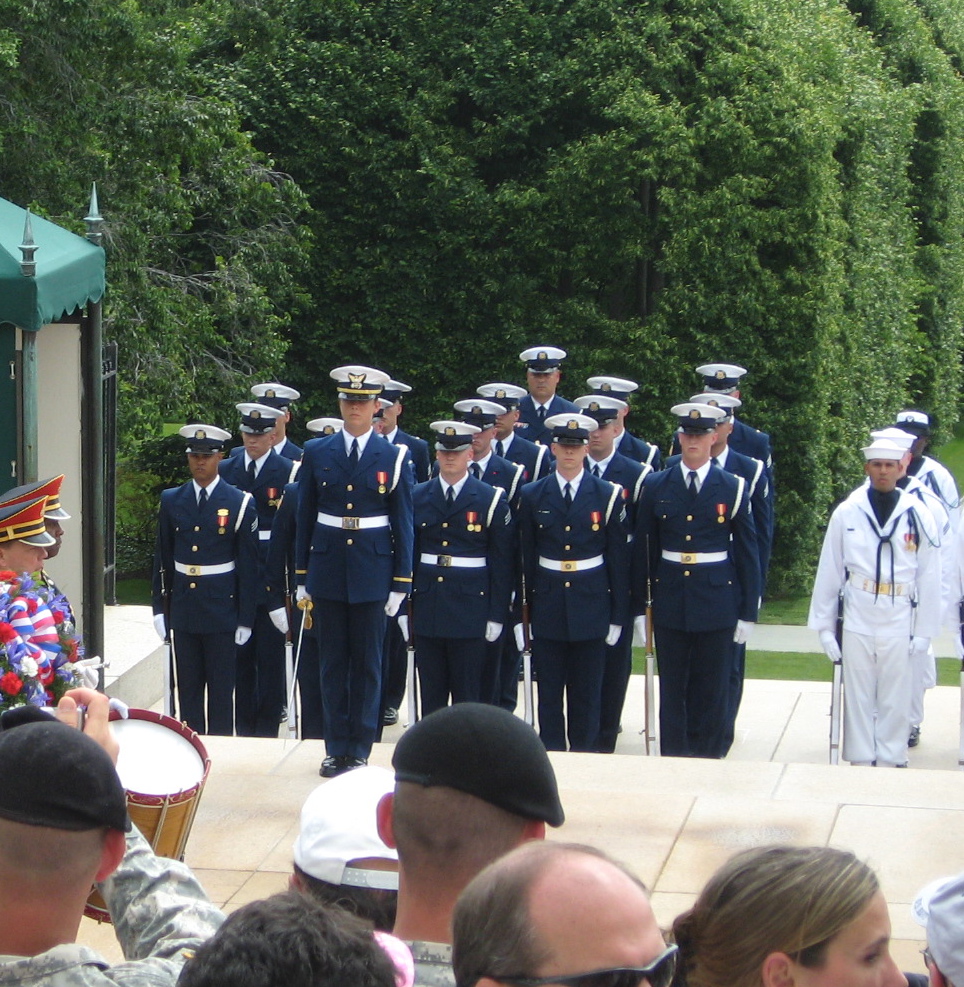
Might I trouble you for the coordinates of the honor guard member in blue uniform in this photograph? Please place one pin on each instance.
(259, 470)
(394, 658)
(605, 462)
(575, 559)
(626, 444)
(509, 444)
(280, 575)
(464, 566)
(353, 560)
(486, 465)
(392, 393)
(754, 473)
(277, 396)
(542, 376)
(206, 581)
(695, 546)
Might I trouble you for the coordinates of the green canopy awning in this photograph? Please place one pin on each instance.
(70, 271)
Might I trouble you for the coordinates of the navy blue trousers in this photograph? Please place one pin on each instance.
(573, 668)
(449, 666)
(206, 662)
(260, 693)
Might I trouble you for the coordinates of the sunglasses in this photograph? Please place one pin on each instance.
(659, 973)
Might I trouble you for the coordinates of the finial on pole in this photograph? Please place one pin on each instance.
(28, 266)
(93, 219)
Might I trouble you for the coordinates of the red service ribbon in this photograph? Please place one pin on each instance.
(596, 516)
(471, 516)
(272, 493)
(721, 510)
(382, 478)
(223, 519)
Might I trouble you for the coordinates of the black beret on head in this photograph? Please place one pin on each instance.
(53, 775)
(483, 751)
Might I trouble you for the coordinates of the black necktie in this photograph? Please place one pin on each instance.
(450, 496)
(541, 413)
(252, 473)
(202, 498)
(567, 495)
(691, 480)
(715, 461)
(476, 472)
(353, 455)
(595, 469)
(499, 448)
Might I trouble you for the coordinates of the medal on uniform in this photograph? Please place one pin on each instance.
(223, 514)
(910, 541)
(720, 513)
(596, 517)
(272, 496)
(472, 517)
(382, 480)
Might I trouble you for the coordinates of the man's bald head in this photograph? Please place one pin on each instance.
(552, 908)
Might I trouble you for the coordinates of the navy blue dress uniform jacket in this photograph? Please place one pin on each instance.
(503, 473)
(702, 596)
(192, 535)
(576, 605)
(629, 474)
(529, 426)
(348, 564)
(532, 457)
(639, 451)
(754, 472)
(418, 450)
(455, 602)
(266, 490)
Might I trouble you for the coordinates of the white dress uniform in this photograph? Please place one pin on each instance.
(940, 480)
(890, 578)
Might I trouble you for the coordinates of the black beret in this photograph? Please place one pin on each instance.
(53, 775)
(484, 751)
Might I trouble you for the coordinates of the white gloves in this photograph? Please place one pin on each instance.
(492, 631)
(613, 636)
(301, 594)
(394, 602)
(280, 619)
(519, 637)
(403, 626)
(639, 631)
(160, 626)
(919, 646)
(241, 636)
(744, 628)
(830, 647)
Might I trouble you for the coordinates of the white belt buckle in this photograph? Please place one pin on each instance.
(445, 561)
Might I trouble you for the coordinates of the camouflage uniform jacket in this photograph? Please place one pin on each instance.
(433, 963)
(160, 914)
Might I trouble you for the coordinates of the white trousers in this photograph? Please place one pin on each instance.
(925, 677)
(878, 677)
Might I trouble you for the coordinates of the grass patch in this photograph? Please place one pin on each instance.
(786, 610)
(134, 592)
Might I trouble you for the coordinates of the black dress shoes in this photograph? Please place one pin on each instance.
(332, 766)
(390, 716)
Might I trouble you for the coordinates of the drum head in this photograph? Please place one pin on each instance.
(157, 756)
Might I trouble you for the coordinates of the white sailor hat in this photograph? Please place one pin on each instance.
(725, 401)
(275, 395)
(569, 429)
(939, 908)
(883, 449)
(393, 390)
(325, 426)
(257, 419)
(896, 435)
(697, 417)
(542, 359)
(508, 395)
(452, 436)
(478, 411)
(600, 407)
(915, 422)
(721, 376)
(356, 383)
(339, 826)
(617, 387)
(204, 439)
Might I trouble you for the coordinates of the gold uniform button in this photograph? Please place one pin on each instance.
(193, 585)
(568, 527)
(196, 528)
(441, 579)
(194, 548)
(349, 506)
(689, 537)
(689, 517)
(445, 544)
(568, 547)
(351, 541)
(445, 524)
(686, 572)
(568, 585)
(349, 488)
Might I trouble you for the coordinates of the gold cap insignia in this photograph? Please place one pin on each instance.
(572, 423)
(542, 355)
(449, 430)
(721, 375)
(200, 433)
(477, 410)
(694, 413)
(356, 380)
(270, 393)
(328, 430)
(593, 405)
(255, 414)
(500, 393)
(606, 387)
(713, 404)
